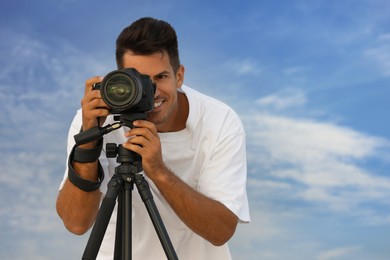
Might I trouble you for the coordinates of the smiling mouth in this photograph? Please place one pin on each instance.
(157, 104)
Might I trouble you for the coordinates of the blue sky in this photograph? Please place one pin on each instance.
(309, 79)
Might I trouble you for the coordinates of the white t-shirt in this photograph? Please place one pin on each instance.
(209, 155)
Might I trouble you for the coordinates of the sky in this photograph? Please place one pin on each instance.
(309, 79)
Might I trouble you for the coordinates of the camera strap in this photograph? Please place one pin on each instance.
(75, 179)
(87, 155)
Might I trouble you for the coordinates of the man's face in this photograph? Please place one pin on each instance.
(157, 66)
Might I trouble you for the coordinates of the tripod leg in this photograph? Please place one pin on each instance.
(119, 225)
(127, 221)
(123, 250)
(147, 198)
(102, 219)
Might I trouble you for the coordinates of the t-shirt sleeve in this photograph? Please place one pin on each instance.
(224, 175)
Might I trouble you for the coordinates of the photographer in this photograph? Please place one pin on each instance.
(193, 156)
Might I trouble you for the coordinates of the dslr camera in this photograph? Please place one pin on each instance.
(127, 91)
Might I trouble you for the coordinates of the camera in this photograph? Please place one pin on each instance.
(127, 91)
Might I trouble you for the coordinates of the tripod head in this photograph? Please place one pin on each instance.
(130, 162)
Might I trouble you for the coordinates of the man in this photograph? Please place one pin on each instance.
(193, 156)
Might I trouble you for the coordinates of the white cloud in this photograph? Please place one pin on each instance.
(244, 67)
(294, 70)
(297, 140)
(317, 162)
(283, 100)
(338, 253)
(381, 53)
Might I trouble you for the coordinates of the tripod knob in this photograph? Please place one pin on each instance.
(111, 150)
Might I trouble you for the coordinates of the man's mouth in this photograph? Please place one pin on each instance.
(157, 104)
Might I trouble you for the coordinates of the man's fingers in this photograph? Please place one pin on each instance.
(90, 82)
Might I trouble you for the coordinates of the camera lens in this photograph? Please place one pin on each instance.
(120, 91)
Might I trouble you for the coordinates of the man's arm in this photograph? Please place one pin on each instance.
(77, 208)
(208, 218)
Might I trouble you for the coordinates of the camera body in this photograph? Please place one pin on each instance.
(127, 91)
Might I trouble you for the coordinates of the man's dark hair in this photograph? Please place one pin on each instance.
(147, 36)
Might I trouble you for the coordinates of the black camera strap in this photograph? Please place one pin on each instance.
(74, 178)
(87, 155)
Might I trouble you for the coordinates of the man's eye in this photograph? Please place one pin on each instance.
(161, 77)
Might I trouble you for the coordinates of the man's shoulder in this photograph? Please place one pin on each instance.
(210, 112)
(197, 98)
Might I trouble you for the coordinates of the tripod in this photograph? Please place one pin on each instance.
(127, 173)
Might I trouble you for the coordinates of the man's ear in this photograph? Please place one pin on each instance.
(180, 76)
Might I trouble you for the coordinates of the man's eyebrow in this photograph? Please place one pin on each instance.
(161, 73)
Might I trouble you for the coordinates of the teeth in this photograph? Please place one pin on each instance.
(157, 104)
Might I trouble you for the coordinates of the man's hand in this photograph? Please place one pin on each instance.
(93, 106)
(144, 140)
